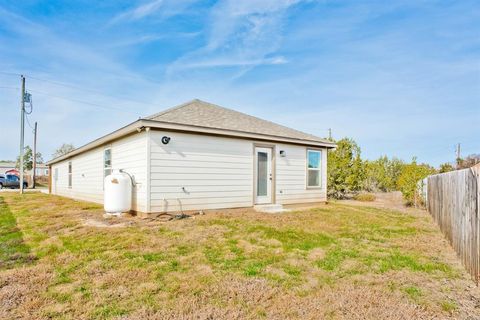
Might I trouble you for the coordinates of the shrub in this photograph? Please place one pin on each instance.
(345, 169)
(382, 174)
(408, 181)
(445, 167)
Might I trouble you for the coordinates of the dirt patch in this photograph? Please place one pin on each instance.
(391, 200)
(316, 254)
(107, 223)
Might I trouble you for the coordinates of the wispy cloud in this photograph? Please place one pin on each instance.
(162, 8)
(148, 38)
(242, 34)
(220, 62)
(139, 12)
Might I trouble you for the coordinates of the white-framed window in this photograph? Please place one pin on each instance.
(107, 162)
(70, 174)
(314, 168)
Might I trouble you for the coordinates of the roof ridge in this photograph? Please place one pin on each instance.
(242, 114)
(161, 113)
(255, 117)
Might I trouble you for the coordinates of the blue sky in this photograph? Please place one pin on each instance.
(400, 77)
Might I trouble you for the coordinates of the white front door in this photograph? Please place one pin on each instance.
(263, 175)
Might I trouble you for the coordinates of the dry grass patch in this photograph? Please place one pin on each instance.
(334, 262)
(365, 197)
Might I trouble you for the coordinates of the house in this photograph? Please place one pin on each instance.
(199, 156)
(7, 167)
(41, 170)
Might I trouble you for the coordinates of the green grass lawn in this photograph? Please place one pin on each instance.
(335, 262)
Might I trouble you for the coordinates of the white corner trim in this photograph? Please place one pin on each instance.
(149, 170)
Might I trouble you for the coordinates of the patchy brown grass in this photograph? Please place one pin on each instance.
(60, 259)
(365, 197)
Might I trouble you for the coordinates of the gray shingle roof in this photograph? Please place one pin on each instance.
(200, 116)
(204, 114)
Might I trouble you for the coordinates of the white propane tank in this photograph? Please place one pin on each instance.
(118, 193)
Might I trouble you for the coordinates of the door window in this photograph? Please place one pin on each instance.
(262, 168)
(263, 183)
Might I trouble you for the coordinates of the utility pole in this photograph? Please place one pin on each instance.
(34, 155)
(22, 130)
(329, 133)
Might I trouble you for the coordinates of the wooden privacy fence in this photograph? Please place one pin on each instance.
(453, 200)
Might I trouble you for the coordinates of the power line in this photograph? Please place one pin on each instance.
(117, 75)
(74, 100)
(5, 87)
(64, 84)
(10, 73)
(73, 86)
(28, 122)
(78, 88)
(68, 85)
(83, 102)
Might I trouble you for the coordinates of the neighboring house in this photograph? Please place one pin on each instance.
(41, 170)
(9, 168)
(199, 156)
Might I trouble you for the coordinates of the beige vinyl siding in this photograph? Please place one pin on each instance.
(216, 172)
(128, 153)
(291, 175)
(87, 177)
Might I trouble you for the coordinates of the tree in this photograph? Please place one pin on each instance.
(445, 167)
(64, 149)
(469, 161)
(382, 174)
(39, 158)
(345, 169)
(373, 175)
(409, 179)
(28, 159)
(394, 170)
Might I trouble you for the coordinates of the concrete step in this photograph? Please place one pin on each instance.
(270, 208)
